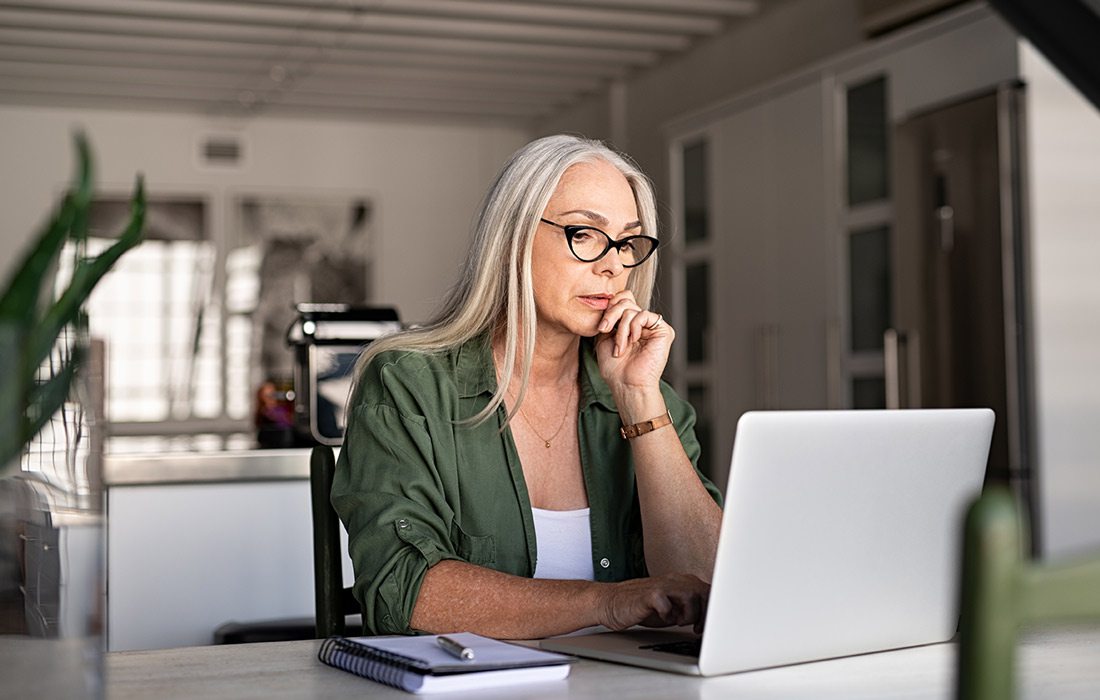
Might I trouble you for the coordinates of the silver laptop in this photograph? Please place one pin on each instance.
(841, 535)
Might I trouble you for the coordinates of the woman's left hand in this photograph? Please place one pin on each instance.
(633, 344)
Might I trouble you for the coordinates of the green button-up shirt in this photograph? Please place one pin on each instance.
(413, 486)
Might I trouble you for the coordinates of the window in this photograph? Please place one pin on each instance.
(869, 287)
(159, 314)
(696, 202)
(194, 317)
(868, 226)
(697, 283)
(693, 254)
(868, 155)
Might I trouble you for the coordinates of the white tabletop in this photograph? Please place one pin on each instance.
(1054, 665)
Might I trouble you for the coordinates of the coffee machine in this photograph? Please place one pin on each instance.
(327, 339)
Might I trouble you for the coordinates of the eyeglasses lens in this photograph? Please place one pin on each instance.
(589, 245)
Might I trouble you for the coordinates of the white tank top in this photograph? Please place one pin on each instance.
(564, 544)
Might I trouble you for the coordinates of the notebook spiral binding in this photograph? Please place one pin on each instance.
(377, 665)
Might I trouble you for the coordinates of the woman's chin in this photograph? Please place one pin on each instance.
(590, 330)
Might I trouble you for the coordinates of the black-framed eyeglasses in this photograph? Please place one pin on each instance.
(589, 244)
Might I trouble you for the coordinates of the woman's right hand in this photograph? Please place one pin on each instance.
(658, 601)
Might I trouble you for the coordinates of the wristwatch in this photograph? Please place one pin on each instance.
(646, 426)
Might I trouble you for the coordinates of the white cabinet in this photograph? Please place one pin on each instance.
(771, 287)
(777, 243)
(769, 253)
(190, 547)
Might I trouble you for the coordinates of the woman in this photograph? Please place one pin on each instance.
(510, 469)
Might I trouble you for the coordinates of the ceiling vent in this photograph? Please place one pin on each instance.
(221, 151)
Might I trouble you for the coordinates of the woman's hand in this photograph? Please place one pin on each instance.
(658, 601)
(633, 344)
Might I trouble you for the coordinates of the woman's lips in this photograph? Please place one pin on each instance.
(596, 301)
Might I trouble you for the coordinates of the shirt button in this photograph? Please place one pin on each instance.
(403, 524)
(605, 562)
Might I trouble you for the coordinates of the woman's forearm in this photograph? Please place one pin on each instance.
(456, 596)
(680, 520)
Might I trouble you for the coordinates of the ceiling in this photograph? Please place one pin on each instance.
(497, 60)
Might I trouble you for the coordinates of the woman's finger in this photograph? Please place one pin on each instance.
(622, 332)
(702, 619)
(619, 301)
(614, 312)
(643, 322)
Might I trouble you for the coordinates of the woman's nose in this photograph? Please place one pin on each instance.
(610, 264)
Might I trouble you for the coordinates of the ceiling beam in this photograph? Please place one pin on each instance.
(260, 82)
(229, 100)
(404, 113)
(728, 8)
(355, 22)
(527, 12)
(63, 59)
(214, 32)
(135, 48)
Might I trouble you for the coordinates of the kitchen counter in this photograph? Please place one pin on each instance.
(205, 467)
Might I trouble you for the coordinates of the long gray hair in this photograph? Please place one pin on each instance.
(495, 292)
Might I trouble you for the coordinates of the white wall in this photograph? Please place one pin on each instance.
(1063, 150)
(424, 180)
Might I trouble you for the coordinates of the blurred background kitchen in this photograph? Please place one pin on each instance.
(866, 204)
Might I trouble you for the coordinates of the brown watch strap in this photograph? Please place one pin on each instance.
(646, 426)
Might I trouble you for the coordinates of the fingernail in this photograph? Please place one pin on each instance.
(616, 349)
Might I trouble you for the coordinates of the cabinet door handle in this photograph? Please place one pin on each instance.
(901, 356)
(945, 215)
(893, 347)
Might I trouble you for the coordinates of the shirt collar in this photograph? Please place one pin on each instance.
(474, 370)
(476, 374)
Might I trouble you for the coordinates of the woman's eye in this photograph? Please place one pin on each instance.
(582, 234)
(627, 246)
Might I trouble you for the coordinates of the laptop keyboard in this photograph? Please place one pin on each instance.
(689, 647)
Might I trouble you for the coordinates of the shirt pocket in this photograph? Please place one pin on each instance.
(476, 549)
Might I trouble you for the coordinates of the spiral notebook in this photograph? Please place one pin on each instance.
(420, 665)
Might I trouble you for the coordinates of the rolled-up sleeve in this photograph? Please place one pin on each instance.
(389, 493)
(684, 418)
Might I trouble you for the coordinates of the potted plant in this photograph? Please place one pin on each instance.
(43, 341)
(33, 320)
(50, 625)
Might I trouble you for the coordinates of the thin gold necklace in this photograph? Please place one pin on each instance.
(545, 440)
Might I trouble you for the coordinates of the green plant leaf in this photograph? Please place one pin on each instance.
(28, 334)
(12, 392)
(85, 277)
(82, 189)
(48, 397)
(20, 300)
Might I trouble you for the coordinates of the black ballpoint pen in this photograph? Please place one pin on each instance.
(455, 649)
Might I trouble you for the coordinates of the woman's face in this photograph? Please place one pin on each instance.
(571, 295)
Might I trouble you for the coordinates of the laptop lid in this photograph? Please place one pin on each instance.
(841, 534)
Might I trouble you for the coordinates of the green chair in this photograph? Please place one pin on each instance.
(333, 601)
(1003, 592)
